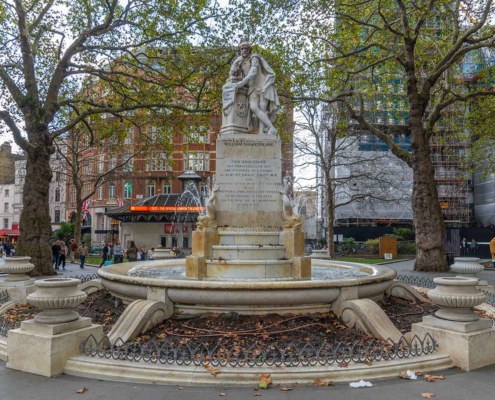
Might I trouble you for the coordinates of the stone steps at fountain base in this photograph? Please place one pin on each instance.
(240, 238)
(248, 269)
(228, 252)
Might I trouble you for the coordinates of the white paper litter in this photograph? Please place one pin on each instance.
(360, 384)
(411, 375)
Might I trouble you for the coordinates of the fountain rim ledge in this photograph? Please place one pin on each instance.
(380, 274)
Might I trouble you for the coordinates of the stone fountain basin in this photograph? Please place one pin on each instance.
(247, 296)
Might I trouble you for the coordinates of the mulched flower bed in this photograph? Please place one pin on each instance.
(99, 306)
(231, 330)
(404, 313)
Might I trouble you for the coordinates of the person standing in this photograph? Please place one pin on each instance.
(464, 247)
(105, 251)
(150, 253)
(55, 254)
(83, 252)
(117, 253)
(132, 252)
(492, 249)
(73, 248)
(63, 255)
(142, 253)
(473, 246)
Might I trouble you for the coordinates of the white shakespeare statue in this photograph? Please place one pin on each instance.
(259, 78)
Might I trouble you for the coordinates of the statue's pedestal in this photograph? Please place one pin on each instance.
(249, 177)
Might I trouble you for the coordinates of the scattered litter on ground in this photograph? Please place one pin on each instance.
(360, 384)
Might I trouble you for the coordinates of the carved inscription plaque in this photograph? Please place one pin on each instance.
(249, 175)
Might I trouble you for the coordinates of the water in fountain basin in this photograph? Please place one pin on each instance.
(179, 272)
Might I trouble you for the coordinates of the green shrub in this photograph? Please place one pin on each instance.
(406, 247)
(372, 245)
(403, 233)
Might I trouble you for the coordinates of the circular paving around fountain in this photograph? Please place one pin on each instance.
(247, 296)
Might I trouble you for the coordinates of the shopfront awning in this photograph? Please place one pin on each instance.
(8, 232)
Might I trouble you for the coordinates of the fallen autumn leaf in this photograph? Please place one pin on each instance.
(81, 391)
(320, 382)
(428, 395)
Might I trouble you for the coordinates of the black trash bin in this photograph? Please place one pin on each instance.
(450, 258)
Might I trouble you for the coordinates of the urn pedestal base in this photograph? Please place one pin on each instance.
(468, 350)
(43, 349)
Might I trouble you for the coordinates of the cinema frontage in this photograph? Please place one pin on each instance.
(166, 220)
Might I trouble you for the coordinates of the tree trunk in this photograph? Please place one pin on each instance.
(78, 221)
(331, 220)
(428, 218)
(35, 223)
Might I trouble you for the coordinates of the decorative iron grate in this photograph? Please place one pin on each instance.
(489, 298)
(85, 278)
(417, 281)
(290, 355)
(6, 325)
(4, 296)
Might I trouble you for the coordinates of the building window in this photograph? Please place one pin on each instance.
(167, 188)
(127, 190)
(6, 207)
(151, 189)
(86, 189)
(112, 162)
(198, 134)
(7, 192)
(127, 163)
(57, 194)
(87, 167)
(197, 161)
(111, 191)
(100, 193)
(5, 223)
(57, 176)
(130, 136)
(73, 194)
(158, 162)
(101, 163)
(57, 215)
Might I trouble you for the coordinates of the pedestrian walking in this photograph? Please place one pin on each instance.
(464, 247)
(104, 254)
(132, 252)
(55, 253)
(473, 246)
(63, 255)
(117, 253)
(83, 252)
(73, 248)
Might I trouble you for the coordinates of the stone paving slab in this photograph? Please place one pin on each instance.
(475, 385)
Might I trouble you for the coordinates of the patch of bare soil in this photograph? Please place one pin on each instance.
(404, 313)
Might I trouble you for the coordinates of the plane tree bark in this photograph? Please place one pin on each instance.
(60, 69)
(379, 49)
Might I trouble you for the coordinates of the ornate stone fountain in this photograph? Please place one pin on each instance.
(248, 249)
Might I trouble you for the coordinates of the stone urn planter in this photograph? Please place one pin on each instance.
(17, 268)
(457, 296)
(467, 266)
(56, 297)
(162, 254)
